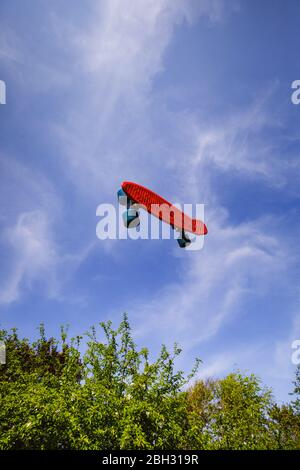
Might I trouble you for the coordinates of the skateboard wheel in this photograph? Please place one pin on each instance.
(183, 242)
(122, 197)
(131, 218)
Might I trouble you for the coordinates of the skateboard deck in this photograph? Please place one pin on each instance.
(163, 209)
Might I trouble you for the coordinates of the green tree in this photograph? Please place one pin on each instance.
(201, 405)
(110, 397)
(284, 427)
(231, 413)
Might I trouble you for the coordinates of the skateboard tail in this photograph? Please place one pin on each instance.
(199, 227)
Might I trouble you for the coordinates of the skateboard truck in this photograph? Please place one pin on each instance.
(130, 217)
(183, 240)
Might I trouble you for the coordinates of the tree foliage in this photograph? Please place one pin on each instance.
(112, 396)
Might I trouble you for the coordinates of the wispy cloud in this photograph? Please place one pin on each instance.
(239, 144)
(32, 209)
(36, 259)
(120, 52)
(33, 251)
(235, 263)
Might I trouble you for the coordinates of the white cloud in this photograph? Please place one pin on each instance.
(9, 47)
(25, 189)
(108, 60)
(235, 263)
(127, 40)
(36, 259)
(31, 210)
(218, 364)
(236, 144)
(34, 254)
(108, 129)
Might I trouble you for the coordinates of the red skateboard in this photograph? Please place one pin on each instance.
(135, 196)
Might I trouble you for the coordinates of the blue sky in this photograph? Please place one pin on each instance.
(192, 99)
